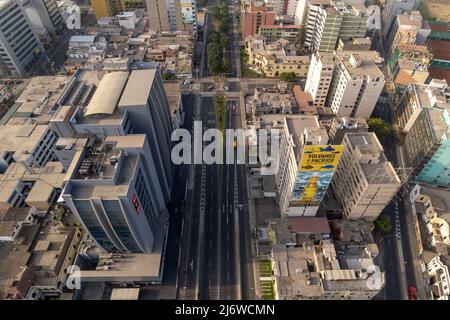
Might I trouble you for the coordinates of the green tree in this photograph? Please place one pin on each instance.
(224, 41)
(287, 76)
(383, 224)
(169, 76)
(224, 26)
(379, 127)
(213, 37)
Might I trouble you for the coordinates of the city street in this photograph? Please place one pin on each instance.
(217, 258)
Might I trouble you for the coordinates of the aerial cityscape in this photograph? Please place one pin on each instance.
(246, 150)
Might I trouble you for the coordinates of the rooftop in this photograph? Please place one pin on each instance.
(105, 98)
(138, 88)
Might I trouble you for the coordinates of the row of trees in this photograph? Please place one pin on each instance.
(218, 41)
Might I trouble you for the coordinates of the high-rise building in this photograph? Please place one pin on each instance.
(299, 187)
(348, 82)
(320, 74)
(404, 31)
(145, 100)
(115, 145)
(107, 8)
(44, 15)
(423, 118)
(393, 8)
(172, 15)
(19, 46)
(322, 28)
(298, 10)
(357, 83)
(325, 23)
(120, 104)
(277, 6)
(254, 17)
(365, 181)
(113, 189)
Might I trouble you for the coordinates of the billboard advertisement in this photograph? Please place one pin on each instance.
(186, 11)
(314, 173)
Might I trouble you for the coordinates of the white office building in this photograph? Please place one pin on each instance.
(19, 46)
(44, 15)
(112, 187)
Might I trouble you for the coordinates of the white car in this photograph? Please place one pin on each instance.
(226, 88)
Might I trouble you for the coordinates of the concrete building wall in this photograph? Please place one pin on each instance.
(44, 15)
(364, 191)
(436, 171)
(253, 20)
(319, 78)
(107, 8)
(158, 15)
(300, 10)
(19, 46)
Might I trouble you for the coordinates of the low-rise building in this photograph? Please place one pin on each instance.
(275, 32)
(276, 58)
(36, 267)
(325, 273)
(270, 101)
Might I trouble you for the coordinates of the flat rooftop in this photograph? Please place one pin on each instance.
(138, 88)
(101, 165)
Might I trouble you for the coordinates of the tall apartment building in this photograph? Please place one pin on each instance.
(298, 190)
(404, 30)
(107, 8)
(319, 78)
(357, 83)
(365, 181)
(19, 46)
(393, 8)
(423, 118)
(354, 22)
(348, 82)
(277, 6)
(44, 15)
(254, 17)
(172, 15)
(325, 23)
(113, 189)
(297, 8)
(322, 27)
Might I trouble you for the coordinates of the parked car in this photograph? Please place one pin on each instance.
(211, 87)
(412, 293)
(226, 88)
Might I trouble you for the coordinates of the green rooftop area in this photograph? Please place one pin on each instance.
(436, 22)
(267, 289)
(439, 35)
(265, 268)
(440, 64)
